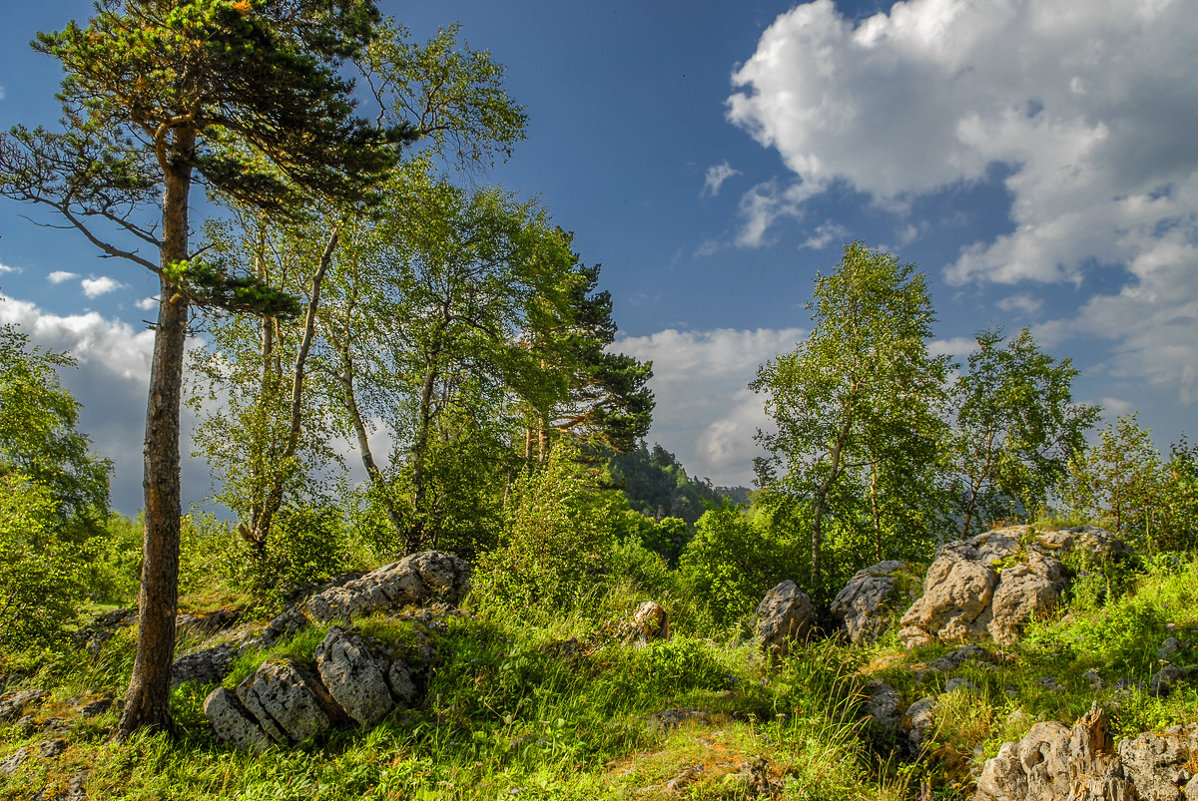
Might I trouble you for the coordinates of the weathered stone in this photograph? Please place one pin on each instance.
(1169, 649)
(403, 687)
(287, 623)
(1024, 591)
(1160, 765)
(355, 676)
(783, 617)
(954, 684)
(204, 667)
(955, 604)
(52, 748)
(97, 707)
(865, 605)
(288, 702)
(14, 760)
(1161, 682)
(232, 723)
(416, 579)
(919, 719)
(12, 704)
(884, 704)
(650, 622)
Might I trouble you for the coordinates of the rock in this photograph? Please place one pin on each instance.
(866, 603)
(289, 703)
(1161, 683)
(783, 617)
(355, 676)
(232, 723)
(287, 623)
(650, 622)
(12, 704)
(204, 667)
(1169, 649)
(958, 683)
(97, 707)
(884, 704)
(52, 748)
(1096, 682)
(673, 718)
(416, 579)
(954, 659)
(75, 788)
(14, 760)
(403, 687)
(993, 584)
(1053, 763)
(919, 719)
(1024, 591)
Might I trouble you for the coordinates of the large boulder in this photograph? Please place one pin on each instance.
(232, 722)
(415, 580)
(1056, 763)
(289, 702)
(355, 676)
(993, 584)
(866, 604)
(783, 617)
(650, 622)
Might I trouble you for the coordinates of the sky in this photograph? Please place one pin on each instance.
(1037, 160)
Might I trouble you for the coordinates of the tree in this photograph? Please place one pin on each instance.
(1016, 428)
(53, 496)
(1121, 478)
(241, 94)
(855, 404)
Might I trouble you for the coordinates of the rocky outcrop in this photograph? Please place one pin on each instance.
(362, 682)
(1056, 763)
(232, 722)
(867, 603)
(289, 702)
(784, 616)
(650, 622)
(415, 580)
(993, 584)
(12, 704)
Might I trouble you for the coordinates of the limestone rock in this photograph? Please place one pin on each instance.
(783, 616)
(865, 603)
(289, 703)
(919, 719)
(205, 667)
(355, 676)
(403, 686)
(14, 760)
(416, 579)
(650, 622)
(1160, 765)
(12, 704)
(884, 704)
(993, 584)
(232, 722)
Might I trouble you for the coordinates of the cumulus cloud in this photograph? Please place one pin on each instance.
(1021, 303)
(716, 175)
(94, 287)
(58, 276)
(1089, 107)
(4, 268)
(825, 235)
(705, 414)
(146, 304)
(111, 382)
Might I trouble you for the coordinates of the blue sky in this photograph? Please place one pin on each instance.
(1037, 160)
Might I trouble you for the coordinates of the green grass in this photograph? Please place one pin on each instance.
(554, 704)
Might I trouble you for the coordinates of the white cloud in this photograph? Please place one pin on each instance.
(146, 304)
(825, 235)
(1025, 303)
(1089, 106)
(957, 347)
(94, 287)
(111, 382)
(4, 268)
(705, 414)
(716, 175)
(58, 276)
(767, 202)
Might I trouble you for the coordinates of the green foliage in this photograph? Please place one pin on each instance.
(558, 533)
(856, 408)
(54, 498)
(657, 485)
(733, 561)
(1016, 429)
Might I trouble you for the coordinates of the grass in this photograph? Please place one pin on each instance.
(555, 704)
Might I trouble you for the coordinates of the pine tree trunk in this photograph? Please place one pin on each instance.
(147, 701)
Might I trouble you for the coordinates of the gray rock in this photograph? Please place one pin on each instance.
(783, 617)
(355, 676)
(232, 723)
(287, 623)
(52, 748)
(204, 667)
(884, 705)
(865, 605)
(97, 707)
(1160, 765)
(1024, 591)
(673, 718)
(289, 703)
(955, 604)
(14, 761)
(650, 622)
(959, 684)
(12, 704)
(416, 579)
(1169, 649)
(919, 719)
(1161, 683)
(403, 687)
